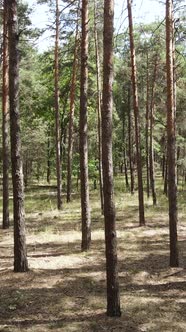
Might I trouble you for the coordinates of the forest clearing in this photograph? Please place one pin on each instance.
(93, 166)
(65, 289)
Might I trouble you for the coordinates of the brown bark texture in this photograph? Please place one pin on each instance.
(165, 187)
(5, 119)
(98, 78)
(71, 115)
(20, 251)
(57, 115)
(85, 205)
(124, 150)
(113, 297)
(136, 116)
(171, 137)
(147, 129)
(48, 157)
(151, 147)
(130, 147)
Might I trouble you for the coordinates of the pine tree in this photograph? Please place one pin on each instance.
(113, 297)
(5, 119)
(85, 208)
(20, 251)
(136, 116)
(171, 137)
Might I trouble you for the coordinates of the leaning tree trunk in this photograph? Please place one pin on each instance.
(20, 252)
(71, 115)
(85, 206)
(5, 119)
(171, 137)
(113, 297)
(98, 77)
(57, 115)
(136, 116)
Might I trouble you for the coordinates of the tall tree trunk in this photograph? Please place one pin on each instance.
(171, 137)
(71, 115)
(130, 147)
(136, 116)
(125, 168)
(48, 157)
(124, 151)
(163, 166)
(151, 154)
(85, 205)
(113, 297)
(98, 77)
(165, 188)
(20, 252)
(164, 156)
(63, 132)
(5, 119)
(57, 116)
(178, 157)
(147, 129)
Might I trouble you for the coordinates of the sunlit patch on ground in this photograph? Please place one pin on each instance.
(65, 289)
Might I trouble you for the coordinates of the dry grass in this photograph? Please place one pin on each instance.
(65, 289)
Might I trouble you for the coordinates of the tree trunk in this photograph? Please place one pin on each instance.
(136, 116)
(85, 205)
(147, 129)
(164, 157)
(63, 133)
(178, 157)
(98, 77)
(151, 154)
(71, 115)
(165, 189)
(125, 168)
(124, 151)
(171, 137)
(57, 116)
(48, 158)
(5, 120)
(113, 297)
(20, 252)
(130, 151)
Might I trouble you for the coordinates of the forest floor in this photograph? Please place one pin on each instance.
(64, 289)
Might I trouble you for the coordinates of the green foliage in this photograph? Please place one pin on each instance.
(37, 90)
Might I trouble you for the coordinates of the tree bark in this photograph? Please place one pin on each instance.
(136, 116)
(98, 79)
(130, 147)
(20, 252)
(147, 129)
(125, 168)
(124, 151)
(113, 297)
(165, 188)
(57, 115)
(171, 137)
(71, 115)
(5, 119)
(151, 148)
(48, 157)
(85, 205)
